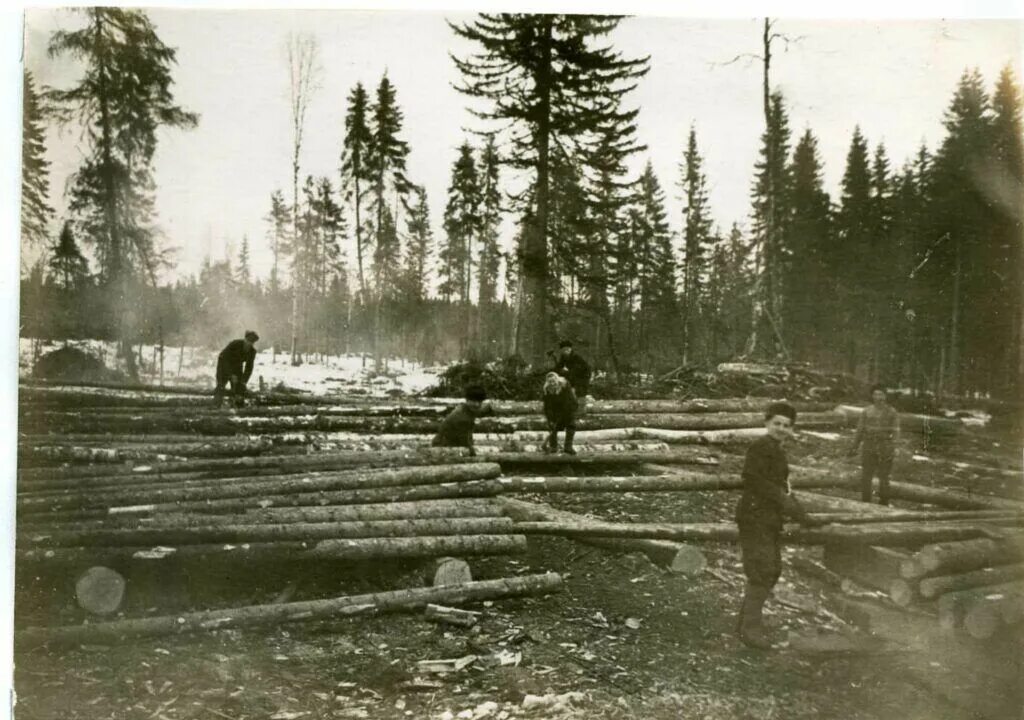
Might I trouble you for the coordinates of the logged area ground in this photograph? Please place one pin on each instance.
(624, 639)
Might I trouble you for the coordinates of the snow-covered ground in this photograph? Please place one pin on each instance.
(197, 366)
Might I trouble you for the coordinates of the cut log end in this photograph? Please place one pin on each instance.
(450, 571)
(100, 590)
(688, 560)
(902, 592)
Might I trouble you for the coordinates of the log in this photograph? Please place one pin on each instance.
(389, 511)
(951, 557)
(674, 556)
(100, 590)
(994, 516)
(870, 566)
(287, 484)
(680, 481)
(205, 535)
(232, 424)
(977, 611)
(895, 534)
(951, 498)
(450, 571)
(42, 478)
(928, 425)
(471, 489)
(450, 615)
(933, 587)
(349, 550)
(261, 615)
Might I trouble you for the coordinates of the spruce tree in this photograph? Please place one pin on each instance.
(489, 265)
(554, 80)
(35, 168)
(461, 225)
(244, 271)
(854, 260)
(770, 218)
(123, 97)
(279, 221)
(810, 274)
(418, 246)
(696, 239)
(68, 265)
(355, 167)
(655, 267)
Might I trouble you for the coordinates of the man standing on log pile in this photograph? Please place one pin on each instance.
(574, 369)
(234, 365)
(766, 499)
(877, 435)
(457, 428)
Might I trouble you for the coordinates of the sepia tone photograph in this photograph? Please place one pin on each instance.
(478, 364)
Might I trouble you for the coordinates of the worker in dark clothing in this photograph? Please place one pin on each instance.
(234, 365)
(576, 370)
(560, 411)
(573, 368)
(877, 435)
(457, 428)
(766, 499)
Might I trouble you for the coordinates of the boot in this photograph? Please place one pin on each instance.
(751, 625)
(568, 449)
(551, 444)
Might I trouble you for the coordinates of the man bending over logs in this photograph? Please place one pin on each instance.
(234, 365)
(457, 428)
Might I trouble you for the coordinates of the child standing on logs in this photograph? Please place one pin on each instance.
(234, 365)
(877, 435)
(560, 407)
(766, 499)
(457, 428)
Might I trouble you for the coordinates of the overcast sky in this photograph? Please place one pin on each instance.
(893, 78)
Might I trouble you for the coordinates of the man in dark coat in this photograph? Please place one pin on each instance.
(573, 368)
(456, 429)
(234, 365)
(560, 412)
(765, 501)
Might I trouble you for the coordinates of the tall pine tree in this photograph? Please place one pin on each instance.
(696, 239)
(35, 168)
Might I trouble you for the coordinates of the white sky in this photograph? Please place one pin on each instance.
(894, 78)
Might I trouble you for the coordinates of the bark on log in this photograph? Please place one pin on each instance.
(981, 516)
(472, 489)
(232, 424)
(205, 535)
(680, 481)
(951, 498)
(255, 615)
(164, 492)
(42, 478)
(933, 587)
(950, 558)
(390, 511)
(897, 535)
(100, 590)
(351, 550)
(675, 556)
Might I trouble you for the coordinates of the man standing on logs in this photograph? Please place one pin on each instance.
(234, 365)
(457, 428)
(574, 369)
(877, 435)
(766, 499)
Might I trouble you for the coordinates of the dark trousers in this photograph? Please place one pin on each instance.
(760, 544)
(225, 376)
(876, 461)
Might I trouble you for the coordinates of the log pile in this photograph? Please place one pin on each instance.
(127, 479)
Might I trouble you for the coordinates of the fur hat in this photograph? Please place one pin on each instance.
(554, 383)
